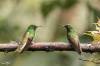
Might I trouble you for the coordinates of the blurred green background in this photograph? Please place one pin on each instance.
(17, 15)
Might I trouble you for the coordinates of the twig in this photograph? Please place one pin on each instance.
(50, 46)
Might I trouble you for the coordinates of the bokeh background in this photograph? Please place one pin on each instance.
(17, 15)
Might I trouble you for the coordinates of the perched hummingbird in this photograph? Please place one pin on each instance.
(27, 38)
(73, 38)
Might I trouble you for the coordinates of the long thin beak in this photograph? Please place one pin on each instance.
(94, 23)
(40, 26)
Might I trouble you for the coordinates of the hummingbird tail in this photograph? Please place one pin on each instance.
(79, 51)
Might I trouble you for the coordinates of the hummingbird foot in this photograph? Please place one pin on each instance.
(49, 49)
(18, 42)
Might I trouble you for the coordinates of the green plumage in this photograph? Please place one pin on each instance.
(27, 39)
(73, 38)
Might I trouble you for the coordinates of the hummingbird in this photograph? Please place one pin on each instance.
(73, 38)
(27, 38)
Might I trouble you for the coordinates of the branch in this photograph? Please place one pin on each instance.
(50, 46)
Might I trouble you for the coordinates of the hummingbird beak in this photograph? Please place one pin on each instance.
(39, 26)
(94, 23)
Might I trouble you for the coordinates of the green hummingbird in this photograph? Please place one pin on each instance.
(73, 38)
(27, 38)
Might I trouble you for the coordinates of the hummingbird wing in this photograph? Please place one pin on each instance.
(75, 44)
(26, 41)
(25, 45)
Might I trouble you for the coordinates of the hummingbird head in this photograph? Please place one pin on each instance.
(33, 27)
(68, 27)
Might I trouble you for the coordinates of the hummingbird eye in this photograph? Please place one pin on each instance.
(65, 26)
(34, 27)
